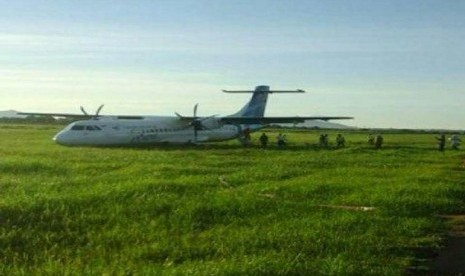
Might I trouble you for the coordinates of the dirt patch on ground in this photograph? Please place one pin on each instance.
(451, 258)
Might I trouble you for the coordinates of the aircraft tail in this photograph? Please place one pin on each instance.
(257, 104)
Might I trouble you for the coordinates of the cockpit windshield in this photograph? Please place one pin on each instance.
(89, 128)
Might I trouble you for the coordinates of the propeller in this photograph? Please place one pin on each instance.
(196, 123)
(96, 113)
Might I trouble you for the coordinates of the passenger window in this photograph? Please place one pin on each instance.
(77, 128)
(90, 128)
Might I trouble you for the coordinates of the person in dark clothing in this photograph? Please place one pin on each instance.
(324, 140)
(378, 141)
(340, 141)
(441, 142)
(264, 140)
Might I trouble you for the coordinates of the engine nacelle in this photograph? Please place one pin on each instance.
(211, 123)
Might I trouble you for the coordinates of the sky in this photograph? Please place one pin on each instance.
(392, 63)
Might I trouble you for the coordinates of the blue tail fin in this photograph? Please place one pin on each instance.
(257, 104)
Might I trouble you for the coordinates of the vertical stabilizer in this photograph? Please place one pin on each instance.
(257, 104)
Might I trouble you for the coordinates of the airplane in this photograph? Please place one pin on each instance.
(122, 130)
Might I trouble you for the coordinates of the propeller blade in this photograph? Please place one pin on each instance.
(84, 111)
(98, 110)
(195, 110)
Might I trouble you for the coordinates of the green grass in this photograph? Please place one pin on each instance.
(220, 208)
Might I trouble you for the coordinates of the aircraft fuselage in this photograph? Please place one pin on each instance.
(108, 131)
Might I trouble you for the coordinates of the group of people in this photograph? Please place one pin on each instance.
(454, 141)
(247, 139)
(374, 140)
(280, 140)
(324, 141)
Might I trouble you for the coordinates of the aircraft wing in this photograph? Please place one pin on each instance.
(271, 120)
(80, 116)
(84, 114)
(68, 115)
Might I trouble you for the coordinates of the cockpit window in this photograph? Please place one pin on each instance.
(77, 128)
(91, 128)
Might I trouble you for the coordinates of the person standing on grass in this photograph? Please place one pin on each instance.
(264, 140)
(455, 141)
(324, 140)
(441, 142)
(321, 142)
(340, 141)
(378, 141)
(281, 139)
(371, 139)
(247, 137)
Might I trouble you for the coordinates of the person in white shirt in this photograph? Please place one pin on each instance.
(455, 141)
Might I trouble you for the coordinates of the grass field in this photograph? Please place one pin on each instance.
(223, 209)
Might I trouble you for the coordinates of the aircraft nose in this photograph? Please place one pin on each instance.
(61, 139)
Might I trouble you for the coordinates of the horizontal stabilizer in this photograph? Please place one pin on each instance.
(271, 120)
(267, 91)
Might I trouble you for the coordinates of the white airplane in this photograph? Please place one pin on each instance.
(100, 130)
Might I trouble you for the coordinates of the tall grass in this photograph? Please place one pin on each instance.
(222, 208)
